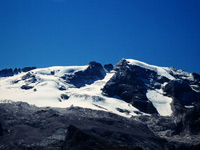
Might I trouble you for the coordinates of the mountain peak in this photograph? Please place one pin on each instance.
(96, 107)
(129, 88)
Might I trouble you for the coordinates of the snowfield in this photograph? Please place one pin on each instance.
(47, 88)
(160, 102)
(46, 91)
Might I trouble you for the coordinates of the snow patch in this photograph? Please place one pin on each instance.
(160, 102)
(189, 106)
(59, 70)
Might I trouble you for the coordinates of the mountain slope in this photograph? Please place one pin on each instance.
(57, 87)
(129, 106)
(146, 87)
(130, 88)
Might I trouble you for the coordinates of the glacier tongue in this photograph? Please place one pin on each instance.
(160, 102)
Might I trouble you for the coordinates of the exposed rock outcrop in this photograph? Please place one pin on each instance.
(182, 91)
(93, 72)
(1, 130)
(108, 67)
(26, 87)
(30, 127)
(130, 84)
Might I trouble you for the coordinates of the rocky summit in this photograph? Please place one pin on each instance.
(131, 105)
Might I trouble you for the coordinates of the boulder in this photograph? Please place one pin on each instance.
(26, 87)
(64, 96)
(62, 88)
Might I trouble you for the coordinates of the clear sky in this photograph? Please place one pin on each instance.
(46, 33)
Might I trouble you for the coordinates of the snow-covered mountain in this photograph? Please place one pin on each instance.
(131, 105)
(128, 88)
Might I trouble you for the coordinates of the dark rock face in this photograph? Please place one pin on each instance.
(26, 69)
(11, 72)
(177, 107)
(62, 88)
(182, 94)
(30, 127)
(108, 67)
(6, 72)
(26, 87)
(191, 120)
(1, 130)
(182, 91)
(196, 77)
(172, 130)
(77, 139)
(29, 78)
(64, 96)
(94, 72)
(130, 83)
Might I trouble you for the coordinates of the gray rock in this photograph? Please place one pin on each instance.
(1, 130)
(108, 67)
(26, 87)
(93, 72)
(182, 91)
(62, 88)
(29, 78)
(130, 84)
(64, 96)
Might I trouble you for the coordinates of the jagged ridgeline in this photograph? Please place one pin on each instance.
(129, 106)
(128, 88)
(11, 72)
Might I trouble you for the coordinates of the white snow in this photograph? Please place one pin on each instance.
(46, 93)
(89, 92)
(189, 106)
(162, 71)
(60, 70)
(160, 102)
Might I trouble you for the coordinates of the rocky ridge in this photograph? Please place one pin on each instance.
(161, 106)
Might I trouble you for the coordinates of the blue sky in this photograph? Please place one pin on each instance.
(45, 33)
